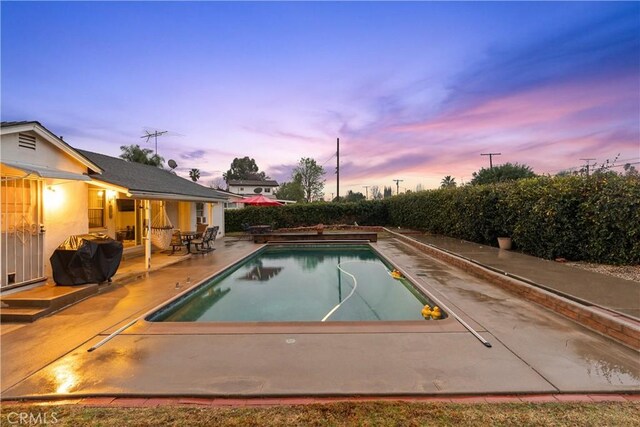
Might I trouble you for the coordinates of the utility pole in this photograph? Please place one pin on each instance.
(491, 158)
(587, 165)
(366, 188)
(338, 169)
(398, 181)
(155, 135)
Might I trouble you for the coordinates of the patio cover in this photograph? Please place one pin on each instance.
(259, 200)
(46, 172)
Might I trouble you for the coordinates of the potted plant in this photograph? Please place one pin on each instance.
(504, 243)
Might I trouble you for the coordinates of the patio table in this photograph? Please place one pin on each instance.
(188, 236)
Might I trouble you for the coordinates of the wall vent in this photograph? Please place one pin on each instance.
(26, 141)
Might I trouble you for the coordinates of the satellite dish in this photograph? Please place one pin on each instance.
(172, 164)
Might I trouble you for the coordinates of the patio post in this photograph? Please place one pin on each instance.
(147, 235)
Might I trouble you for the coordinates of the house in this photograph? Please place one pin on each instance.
(250, 187)
(49, 190)
(234, 201)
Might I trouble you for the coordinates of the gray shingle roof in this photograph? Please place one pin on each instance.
(254, 182)
(23, 122)
(146, 178)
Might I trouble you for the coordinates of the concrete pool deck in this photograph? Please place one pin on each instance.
(595, 288)
(534, 350)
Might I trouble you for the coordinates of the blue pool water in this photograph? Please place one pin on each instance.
(301, 283)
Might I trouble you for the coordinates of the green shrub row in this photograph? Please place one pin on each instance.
(595, 219)
(306, 214)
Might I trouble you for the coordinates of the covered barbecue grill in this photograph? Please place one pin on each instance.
(86, 258)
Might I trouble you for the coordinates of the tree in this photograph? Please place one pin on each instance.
(506, 172)
(375, 192)
(354, 197)
(311, 176)
(387, 192)
(448, 182)
(630, 170)
(242, 169)
(194, 174)
(292, 190)
(133, 153)
(217, 183)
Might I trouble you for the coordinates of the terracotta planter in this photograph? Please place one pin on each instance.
(504, 243)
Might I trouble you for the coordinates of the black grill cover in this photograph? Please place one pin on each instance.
(86, 258)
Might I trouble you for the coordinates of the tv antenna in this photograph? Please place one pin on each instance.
(155, 134)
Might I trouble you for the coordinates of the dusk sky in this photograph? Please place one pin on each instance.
(414, 91)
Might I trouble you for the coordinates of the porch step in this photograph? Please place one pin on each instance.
(22, 315)
(37, 302)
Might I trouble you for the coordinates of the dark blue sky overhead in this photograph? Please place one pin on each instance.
(414, 90)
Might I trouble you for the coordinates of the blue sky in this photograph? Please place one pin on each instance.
(415, 91)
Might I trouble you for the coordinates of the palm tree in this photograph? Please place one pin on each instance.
(448, 182)
(194, 174)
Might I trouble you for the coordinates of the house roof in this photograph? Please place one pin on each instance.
(254, 182)
(150, 182)
(43, 132)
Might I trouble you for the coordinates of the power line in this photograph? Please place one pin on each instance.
(398, 181)
(491, 158)
(587, 164)
(338, 169)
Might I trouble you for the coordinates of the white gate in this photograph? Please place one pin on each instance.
(21, 246)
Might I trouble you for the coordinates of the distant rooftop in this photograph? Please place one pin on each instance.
(254, 182)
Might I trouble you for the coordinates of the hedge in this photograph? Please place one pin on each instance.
(593, 219)
(306, 214)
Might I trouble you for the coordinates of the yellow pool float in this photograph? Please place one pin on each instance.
(396, 274)
(436, 313)
(426, 312)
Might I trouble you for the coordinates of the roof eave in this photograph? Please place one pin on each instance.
(52, 138)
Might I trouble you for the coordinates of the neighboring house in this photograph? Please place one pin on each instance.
(49, 191)
(234, 201)
(248, 188)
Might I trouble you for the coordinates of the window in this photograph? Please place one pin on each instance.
(267, 190)
(96, 207)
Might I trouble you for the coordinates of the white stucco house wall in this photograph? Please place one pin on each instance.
(248, 188)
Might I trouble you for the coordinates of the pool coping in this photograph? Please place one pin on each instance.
(596, 319)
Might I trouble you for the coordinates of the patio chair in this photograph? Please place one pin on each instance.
(200, 228)
(176, 241)
(205, 244)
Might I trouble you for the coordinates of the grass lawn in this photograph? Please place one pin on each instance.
(338, 414)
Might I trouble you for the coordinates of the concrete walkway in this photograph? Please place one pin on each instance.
(588, 287)
(27, 348)
(535, 351)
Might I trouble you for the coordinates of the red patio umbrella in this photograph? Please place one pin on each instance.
(260, 200)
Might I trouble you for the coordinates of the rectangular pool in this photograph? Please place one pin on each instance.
(301, 283)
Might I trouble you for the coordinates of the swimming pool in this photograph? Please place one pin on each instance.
(301, 283)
